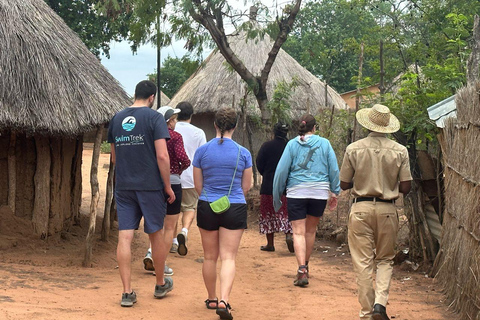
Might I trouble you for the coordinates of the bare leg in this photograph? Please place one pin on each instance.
(310, 233)
(270, 239)
(210, 257)
(124, 257)
(229, 241)
(170, 226)
(299, 242)
(187, 219)
(159, 253)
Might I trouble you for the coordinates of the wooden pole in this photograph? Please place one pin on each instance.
(357, 96)
(248, 131)
(474, 59)
(381, 87)
(41, 205)
(87, 262)
(108, 202)
(12, 172)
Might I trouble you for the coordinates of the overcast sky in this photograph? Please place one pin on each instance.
(130, 69)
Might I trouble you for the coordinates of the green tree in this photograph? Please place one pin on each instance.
(174, 72)
(326, 40)
(93, 27)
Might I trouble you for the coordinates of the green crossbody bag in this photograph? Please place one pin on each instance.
(222, 204)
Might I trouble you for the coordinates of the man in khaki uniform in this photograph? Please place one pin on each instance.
(376, 169)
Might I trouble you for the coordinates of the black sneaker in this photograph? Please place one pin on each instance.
(182, 243)
(128, 299)
(379, 312)
(161, 291)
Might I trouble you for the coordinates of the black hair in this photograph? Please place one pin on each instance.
(307, 122)
(145, 89)
(186, 111)
(225, 120)
(280, 130)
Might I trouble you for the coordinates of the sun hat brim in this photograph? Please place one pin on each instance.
(364, 120)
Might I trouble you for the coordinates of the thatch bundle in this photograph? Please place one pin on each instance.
(50, 82)
(215, 85)
(164, 101)
(459, 270)
(468, 104)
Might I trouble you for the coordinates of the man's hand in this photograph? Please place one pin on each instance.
(170, 194)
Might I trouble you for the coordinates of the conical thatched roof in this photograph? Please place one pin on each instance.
(215, 84)
(49, 82)
(164, 101)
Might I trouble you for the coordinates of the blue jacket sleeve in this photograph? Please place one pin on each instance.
(281, 176)
(333, 172)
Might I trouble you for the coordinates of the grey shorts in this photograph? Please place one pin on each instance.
(133, 205)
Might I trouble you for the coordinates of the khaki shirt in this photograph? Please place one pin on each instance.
(375, 165)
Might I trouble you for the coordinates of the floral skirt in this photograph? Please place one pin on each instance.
(270, 221)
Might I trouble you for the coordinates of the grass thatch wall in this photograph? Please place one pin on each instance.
(459, 271)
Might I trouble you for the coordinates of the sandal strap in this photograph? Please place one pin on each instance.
(227, 305)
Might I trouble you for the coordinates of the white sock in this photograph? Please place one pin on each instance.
(185, 230)
(175, 241)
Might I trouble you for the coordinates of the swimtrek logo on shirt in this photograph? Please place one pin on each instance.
(130, 140)
(129, 123)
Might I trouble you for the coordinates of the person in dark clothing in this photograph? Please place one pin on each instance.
(270, 221)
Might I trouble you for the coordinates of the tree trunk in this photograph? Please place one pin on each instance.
(87, 262)
(108, 202)
(248, 132)
(12, 179)
(41, 206)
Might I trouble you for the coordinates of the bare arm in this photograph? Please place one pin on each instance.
(112, 152)
(346, 185)
(405, 187)
(163, 161)
(247, 180)
(198, 180)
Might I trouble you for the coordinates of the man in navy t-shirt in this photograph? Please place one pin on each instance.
(138, 138)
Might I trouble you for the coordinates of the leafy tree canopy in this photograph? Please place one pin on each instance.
(94, 28)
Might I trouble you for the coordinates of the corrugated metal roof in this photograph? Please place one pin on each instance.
(443, 110)
(433, 222)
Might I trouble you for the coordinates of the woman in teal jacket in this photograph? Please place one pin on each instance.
(308, 171)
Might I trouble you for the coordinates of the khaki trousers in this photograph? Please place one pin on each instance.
(372, 235)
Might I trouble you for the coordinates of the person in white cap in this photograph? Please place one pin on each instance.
(377, 169)
(179, 161)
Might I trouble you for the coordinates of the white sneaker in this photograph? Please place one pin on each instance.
(148, 262)
(182, 243)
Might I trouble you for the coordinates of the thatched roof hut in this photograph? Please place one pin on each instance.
(52, 91)
(214, 85)
(164, 101)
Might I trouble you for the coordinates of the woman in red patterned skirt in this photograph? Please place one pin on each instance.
(270, 221)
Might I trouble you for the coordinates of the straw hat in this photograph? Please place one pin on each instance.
(378, 119)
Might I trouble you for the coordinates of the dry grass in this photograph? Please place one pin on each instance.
(215, 85)
(459, 271)
(50, 83)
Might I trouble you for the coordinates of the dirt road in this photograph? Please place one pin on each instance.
(45, 280)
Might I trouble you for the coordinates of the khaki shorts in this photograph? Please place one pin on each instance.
(189, 200)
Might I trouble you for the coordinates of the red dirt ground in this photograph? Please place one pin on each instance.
(44, 279)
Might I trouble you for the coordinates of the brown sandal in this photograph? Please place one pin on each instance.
(208, 301)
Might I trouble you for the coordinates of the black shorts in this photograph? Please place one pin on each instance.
(299, 208)
(234, 218)
(174, 208)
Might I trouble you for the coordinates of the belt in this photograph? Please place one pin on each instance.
(373, 199)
